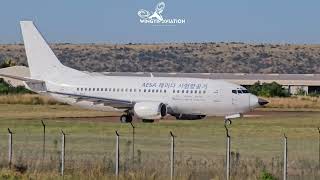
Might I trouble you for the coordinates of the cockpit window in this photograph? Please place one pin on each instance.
(239, 92)
(245, 91)
(234, 91)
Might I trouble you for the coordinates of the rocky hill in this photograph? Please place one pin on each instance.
(190, 57)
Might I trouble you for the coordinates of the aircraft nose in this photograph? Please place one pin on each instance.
(262, 102)
(256, 102)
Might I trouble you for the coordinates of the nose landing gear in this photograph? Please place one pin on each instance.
(227, 119)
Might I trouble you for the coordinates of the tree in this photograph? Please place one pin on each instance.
(268, 90)
(7, 63)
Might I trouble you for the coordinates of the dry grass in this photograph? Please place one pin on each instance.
(298, 102)
(256, 145)
(31, 99)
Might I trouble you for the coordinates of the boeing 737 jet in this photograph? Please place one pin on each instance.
(147, 98)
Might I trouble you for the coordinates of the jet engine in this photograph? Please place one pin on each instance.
(150, 110)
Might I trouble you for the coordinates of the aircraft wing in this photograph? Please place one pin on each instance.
(39, 86)
(116, 103)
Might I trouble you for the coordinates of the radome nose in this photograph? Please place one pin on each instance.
(262, 102)
(253, 101)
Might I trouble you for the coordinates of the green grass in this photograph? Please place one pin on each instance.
(200, 145)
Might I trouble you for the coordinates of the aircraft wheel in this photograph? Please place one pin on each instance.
(227, 122)
(125, 118)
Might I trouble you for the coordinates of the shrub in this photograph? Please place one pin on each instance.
(6, 88)
(7, 63)
(265, 175)
(268, 90)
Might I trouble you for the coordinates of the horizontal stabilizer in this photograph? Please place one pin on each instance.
(21, 78)
(31, 84)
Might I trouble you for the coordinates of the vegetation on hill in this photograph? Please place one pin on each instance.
(268, 90)
(6, 88)
(186, 57)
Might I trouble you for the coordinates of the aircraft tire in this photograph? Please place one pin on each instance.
(125, 118)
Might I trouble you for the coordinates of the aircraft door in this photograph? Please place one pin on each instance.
(235, 100)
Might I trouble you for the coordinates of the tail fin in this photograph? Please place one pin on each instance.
(43, 63)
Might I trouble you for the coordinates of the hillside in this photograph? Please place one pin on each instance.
(194, 57)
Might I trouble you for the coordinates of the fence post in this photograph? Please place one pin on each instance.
(172, 156)
(63, 145)
(285, 158)
(10, 150)
(117, 154)
(133, 133)
(319, 148)
(228, 147)
(44, 140)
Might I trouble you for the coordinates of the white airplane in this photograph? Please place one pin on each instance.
(148, 98)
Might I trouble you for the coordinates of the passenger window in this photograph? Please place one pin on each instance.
(204, 92)
(187, 91)
(153, 90)
(130, 90)
(195, 91)
(118, 89)
(191, 91)
(121, 89)
(105, 89)
(149, 90)
(85, 89)
(173, 91)
(134, 90)
(160, 90)
(93, 89)
(81, 89)
(77, 89)
(157, 90)
(234, 91)
(178, 91)
(114, 89)
(89, 89)
(165, 91)
(97, 89)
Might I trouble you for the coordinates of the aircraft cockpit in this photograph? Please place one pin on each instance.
(240, 91)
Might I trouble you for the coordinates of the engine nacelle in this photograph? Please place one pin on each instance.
(150, 110)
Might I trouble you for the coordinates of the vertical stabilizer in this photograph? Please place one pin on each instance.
(43, 63)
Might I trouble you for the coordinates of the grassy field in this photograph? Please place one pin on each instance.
(200, 145)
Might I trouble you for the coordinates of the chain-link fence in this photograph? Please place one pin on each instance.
(195, 158)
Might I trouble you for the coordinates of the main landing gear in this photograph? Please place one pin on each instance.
(126, 118)
(227, 121)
